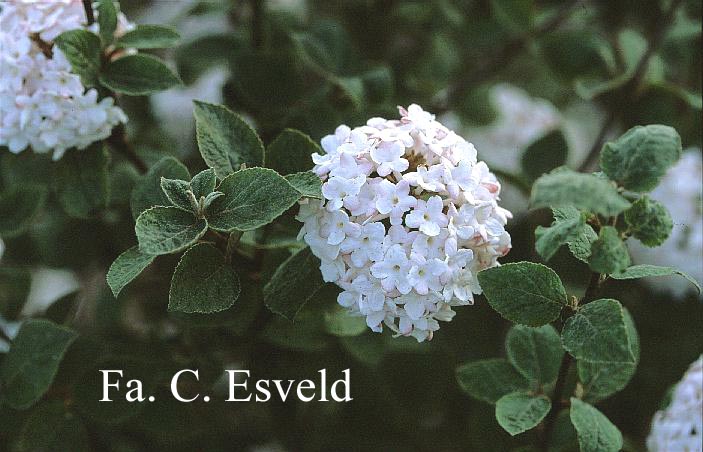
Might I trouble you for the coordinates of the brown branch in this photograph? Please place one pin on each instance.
(591, 159)
(118, 141)
(558, 401)
(88, 6)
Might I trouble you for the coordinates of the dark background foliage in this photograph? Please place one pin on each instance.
(343, 62)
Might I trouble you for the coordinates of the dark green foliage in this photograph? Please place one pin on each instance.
(212, 280)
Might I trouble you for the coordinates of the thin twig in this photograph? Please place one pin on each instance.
(592, 157)
(118, 140)
(566, 361)
(88, 6)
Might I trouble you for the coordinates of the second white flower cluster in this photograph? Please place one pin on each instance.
(43, 104)
(408, 220)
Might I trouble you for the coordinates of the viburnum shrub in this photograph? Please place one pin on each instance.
(269, 241)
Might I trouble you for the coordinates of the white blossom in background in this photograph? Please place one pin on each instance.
(47, 287)
(681, 192)
(174, 107)
(679, 427)
(43, 105)
(521, 120)
(409, 217)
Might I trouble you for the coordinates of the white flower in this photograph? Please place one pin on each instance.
(680, 191)
(394, 199)
(337, 227)
(43, 105)
(679, 427)
(338, 190)
(368, 246)
(428, 179)
(393, 270)
(428, 216)
(408, 220)
(424, 274)
(389, 157)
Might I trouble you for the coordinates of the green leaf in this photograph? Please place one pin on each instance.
(645, 271)
(564, 187)
(138, 75)
(598, 333)
(649, 221)
(147, 192)
(489, 379)
(293, 284)
(339, 322)
(595, 432)
(149, 37)
(609, 253)
(253, 197)
(167, 230)
(107, 20)
(574, 52)
(81, 180)
(60, 309)
(126, 267)
(569, 227)
(18, 207)
(203, 183)
(580, 245)
(519, 412)
(82, 50)
(517, 16)
(524, 292)
(545, 154)
(203, 282)
(535, 352)
(601, 380)
(14, 289)
(51, 427)
(307, 183)
(291, 152)
(31, 364)
(176, 191)
(225, 139)
(641, 156)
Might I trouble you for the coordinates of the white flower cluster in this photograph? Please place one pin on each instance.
(408, 220)
(42, 103)
(681, 191)
(679, 427)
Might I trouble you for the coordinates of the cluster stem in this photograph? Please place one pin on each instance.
(558, 401)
